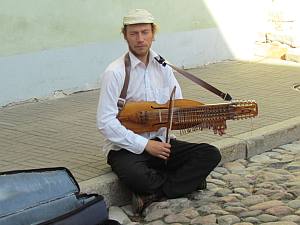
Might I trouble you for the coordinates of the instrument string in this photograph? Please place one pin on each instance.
(197, 112)
(190, 114)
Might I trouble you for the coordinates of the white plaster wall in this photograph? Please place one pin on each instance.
(40, 74)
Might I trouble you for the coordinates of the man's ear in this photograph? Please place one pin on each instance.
(124, 36)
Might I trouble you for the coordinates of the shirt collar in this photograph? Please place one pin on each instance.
(135, 61)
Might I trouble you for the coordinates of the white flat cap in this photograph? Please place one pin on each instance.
(138, 16)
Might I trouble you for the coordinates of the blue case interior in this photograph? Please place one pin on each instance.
(29, 197)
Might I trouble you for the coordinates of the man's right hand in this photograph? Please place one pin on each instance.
(158, 149)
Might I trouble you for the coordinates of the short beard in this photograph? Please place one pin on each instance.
(137, 54)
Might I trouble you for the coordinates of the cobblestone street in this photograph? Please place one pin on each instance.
(262, 190)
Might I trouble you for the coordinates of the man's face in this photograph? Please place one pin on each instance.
(139, 38)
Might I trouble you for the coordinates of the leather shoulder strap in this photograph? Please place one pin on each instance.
(122, 98)
(224, 96)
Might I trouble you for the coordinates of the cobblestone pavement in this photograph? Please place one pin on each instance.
(62, 131)
(262, 190)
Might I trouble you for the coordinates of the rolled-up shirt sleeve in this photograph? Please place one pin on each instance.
(107, 122)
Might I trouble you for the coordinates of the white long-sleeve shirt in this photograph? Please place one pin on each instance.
(151, 83)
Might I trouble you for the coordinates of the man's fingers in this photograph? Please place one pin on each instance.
(167, 150)
(166, 145)
(165, 153)
(158, 149)
(163, 156)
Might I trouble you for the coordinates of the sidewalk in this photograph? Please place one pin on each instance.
(62, 132)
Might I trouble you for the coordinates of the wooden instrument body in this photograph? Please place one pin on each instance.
(188, 114)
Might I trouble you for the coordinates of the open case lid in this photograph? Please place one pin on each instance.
(24, 189)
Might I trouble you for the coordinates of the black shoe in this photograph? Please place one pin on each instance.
(140, 202)
(202, 185)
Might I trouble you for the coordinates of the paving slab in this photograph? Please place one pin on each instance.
(62, 131)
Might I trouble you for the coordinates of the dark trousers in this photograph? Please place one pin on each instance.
(188, 165)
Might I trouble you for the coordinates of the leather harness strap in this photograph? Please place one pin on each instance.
(197, 80)
(122, 98)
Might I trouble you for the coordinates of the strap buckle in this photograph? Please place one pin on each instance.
(160, 60)
(121, 102)
(227, 97)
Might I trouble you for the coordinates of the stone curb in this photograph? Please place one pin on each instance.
(238, 147)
